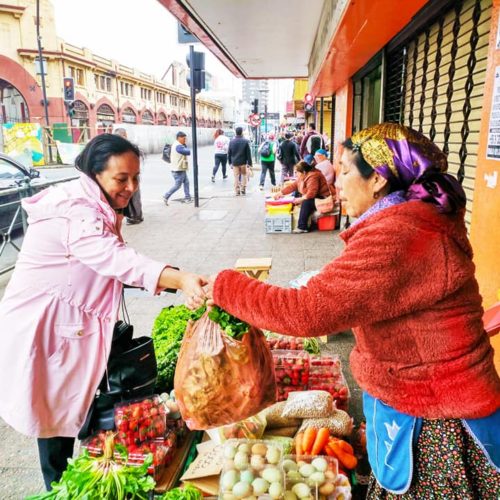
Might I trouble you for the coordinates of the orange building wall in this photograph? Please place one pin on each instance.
(485, 223)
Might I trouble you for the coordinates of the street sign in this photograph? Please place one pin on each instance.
(254, 120)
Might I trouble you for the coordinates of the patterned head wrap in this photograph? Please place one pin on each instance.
(410, 162)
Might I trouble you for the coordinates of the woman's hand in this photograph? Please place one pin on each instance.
(209, 290)
(278, 195)
(298, 201)
(192, 286)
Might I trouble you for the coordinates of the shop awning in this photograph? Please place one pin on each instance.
(257, 39)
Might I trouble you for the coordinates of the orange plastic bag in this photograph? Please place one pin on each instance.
(220, 380)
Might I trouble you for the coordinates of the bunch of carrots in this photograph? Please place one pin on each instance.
(319, 442)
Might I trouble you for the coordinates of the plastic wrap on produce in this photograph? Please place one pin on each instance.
(302, 279)
(220, 380)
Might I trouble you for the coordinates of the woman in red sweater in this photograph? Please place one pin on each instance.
(405, 285)
(311, 184)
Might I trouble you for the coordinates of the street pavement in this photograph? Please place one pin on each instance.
(202, 240)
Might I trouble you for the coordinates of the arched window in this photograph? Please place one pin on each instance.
(162, 118)
(147, 117)
(129, 116)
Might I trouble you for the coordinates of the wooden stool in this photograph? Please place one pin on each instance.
(255, 268)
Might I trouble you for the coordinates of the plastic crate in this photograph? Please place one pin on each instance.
(278, 224)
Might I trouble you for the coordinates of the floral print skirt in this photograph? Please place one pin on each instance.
(449, 465)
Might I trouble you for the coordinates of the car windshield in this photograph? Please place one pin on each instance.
(9, 171)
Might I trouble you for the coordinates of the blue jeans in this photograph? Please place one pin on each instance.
(180, 178)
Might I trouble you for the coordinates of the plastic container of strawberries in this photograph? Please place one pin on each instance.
(162, 456)
(140, 420)
(291, 369)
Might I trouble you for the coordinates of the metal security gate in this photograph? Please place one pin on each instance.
(435, 79)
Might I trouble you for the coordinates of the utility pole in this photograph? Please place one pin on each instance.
(42, 72)
(193, 127)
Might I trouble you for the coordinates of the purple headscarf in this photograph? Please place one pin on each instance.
(412, 163)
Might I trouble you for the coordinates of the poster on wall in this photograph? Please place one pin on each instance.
(493, 145)
(69, 152)
(23, 141)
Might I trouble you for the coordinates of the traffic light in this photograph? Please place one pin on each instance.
(255, 106)
(308, 102)
(198, 67)
(69, 89)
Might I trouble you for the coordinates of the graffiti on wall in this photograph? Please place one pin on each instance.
(23, 141)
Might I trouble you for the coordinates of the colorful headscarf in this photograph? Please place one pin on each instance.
(410, 162)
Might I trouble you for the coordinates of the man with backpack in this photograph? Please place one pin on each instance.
(267, 153)
(178, 156)
(288, 155)
(311, 142)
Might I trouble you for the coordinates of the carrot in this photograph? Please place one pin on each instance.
(308, 442)
(346, 459)
(344, 445)
(320, 441)
(329, 451)
(298, 444)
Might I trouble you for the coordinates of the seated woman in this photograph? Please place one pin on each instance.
(311, 184)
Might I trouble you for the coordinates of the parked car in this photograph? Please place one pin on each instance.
(14, 175)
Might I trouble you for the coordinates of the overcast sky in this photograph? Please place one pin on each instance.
(138, 33)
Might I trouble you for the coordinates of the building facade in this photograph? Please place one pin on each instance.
(106, 92)
(256, 89)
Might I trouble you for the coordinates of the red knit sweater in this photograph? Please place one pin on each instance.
(405, 284)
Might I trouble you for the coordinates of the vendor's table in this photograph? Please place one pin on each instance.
(173, 472)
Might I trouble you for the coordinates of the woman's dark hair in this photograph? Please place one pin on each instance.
(364, 168)
(94, 158)
(218, 132)
(303, 167)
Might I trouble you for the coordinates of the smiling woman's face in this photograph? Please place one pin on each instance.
(120, 179)
(356, 192)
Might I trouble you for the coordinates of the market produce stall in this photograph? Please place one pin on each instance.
(273, 410)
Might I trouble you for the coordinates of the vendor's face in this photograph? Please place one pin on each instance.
(120, 179)
(356, 192)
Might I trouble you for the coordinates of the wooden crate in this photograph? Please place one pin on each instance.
(255, 268)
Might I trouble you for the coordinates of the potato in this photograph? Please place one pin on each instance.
(259, 449)
(327, 489)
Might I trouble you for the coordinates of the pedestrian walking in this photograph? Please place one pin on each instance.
(62, 301)
(267, 151)
(239, 157)
(221, 145)
(180, 165)
(288, 155)
(311, 142)
(133, 212)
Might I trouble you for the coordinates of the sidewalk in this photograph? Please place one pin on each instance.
(203, 240)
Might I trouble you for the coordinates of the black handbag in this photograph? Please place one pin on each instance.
(131, 374)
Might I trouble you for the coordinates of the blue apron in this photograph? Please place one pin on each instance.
(391, 437)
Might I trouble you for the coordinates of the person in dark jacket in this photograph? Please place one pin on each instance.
(307, 146)
(239, 157)
(288, 155)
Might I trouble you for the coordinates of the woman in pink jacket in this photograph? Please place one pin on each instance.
(61, 304)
